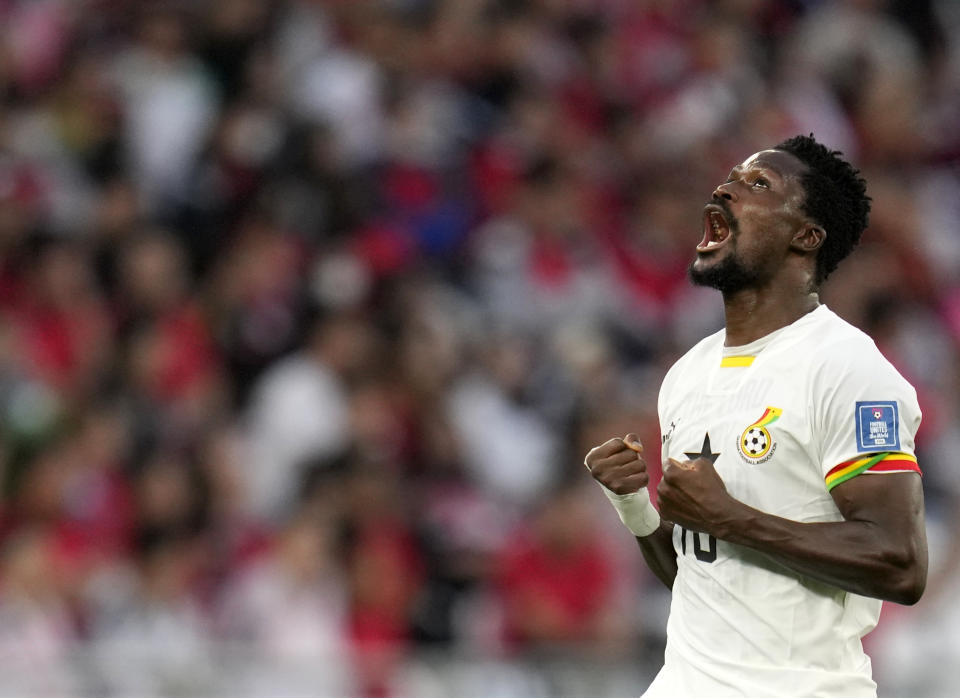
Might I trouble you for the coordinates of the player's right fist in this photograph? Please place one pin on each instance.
(618, 465)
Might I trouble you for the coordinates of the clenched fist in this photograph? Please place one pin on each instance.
(618, 465)
(693, 495)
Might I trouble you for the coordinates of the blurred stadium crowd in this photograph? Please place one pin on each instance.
(309, 311)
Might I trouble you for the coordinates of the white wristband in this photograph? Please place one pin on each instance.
(635, 510)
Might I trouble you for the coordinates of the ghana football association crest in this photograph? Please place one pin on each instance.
(755, 444)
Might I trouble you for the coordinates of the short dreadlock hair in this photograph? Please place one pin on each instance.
(836, 199)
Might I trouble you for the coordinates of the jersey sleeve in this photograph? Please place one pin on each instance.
(868, 416)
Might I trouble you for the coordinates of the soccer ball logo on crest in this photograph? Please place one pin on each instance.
(755, 444)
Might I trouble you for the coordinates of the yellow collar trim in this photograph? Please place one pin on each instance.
(728, 361)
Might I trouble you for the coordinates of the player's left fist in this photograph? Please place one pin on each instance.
(692, 494)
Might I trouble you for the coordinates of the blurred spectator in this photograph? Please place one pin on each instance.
(290, 608)
(149, 631)
(557, 582)
(256, 301)
(173, 375)
(37, 631)
(509, 447)
(169, 103)
(61, 323)
(299, 408)
(385, 573)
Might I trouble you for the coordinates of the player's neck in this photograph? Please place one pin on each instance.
(755, 313)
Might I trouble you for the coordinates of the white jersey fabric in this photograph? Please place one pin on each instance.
(781, 416)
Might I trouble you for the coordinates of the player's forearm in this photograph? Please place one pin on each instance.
(856, 556)
(659, 553)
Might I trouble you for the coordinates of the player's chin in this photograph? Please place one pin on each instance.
(704, 267)
(727, 274)
(703, 260)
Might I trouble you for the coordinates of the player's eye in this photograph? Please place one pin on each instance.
(761, 182)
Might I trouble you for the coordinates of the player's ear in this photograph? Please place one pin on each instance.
(809, 238)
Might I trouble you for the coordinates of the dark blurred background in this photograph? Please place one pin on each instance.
(310, 310)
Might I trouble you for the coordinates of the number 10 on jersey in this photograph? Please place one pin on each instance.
(704, 553)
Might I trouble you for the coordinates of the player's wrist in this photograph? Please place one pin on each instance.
(737, 523)
(635, 510)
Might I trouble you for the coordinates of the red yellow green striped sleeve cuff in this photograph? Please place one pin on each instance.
(887, 462)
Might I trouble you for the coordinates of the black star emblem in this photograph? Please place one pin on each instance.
(705, 451)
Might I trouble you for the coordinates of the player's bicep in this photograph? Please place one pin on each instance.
(882, 544)
(893, 504)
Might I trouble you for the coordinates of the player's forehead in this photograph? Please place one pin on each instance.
(778, 162)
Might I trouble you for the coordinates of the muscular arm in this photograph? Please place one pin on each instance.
(878, 550)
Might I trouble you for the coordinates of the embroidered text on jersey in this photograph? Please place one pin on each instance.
(666, 437)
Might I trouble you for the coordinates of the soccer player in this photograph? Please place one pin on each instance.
(791, 503)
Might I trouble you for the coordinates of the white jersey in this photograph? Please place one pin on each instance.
(786, 418)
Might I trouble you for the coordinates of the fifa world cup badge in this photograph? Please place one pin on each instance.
(756, 445)
(878, 426)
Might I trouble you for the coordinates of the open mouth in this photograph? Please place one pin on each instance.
(716, 230)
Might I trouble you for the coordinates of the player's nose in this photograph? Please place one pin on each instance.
(725, 191)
